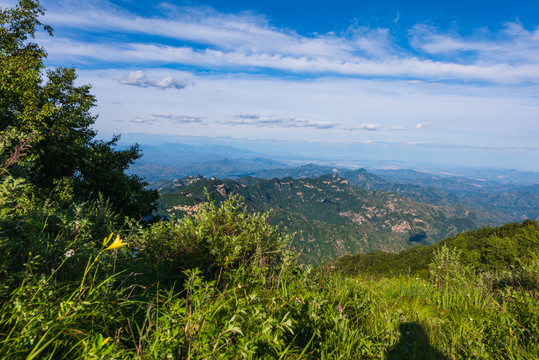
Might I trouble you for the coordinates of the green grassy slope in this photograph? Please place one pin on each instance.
(488, 249)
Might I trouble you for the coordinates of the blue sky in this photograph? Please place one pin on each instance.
(449, 82)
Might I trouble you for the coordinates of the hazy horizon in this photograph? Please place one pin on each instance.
(298, 154)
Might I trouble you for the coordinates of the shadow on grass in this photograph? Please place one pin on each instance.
(414, 344)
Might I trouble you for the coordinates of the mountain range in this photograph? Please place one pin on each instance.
(330, 216)
(336, 210)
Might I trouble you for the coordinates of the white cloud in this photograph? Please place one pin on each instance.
(397, 18)
(426, 38)
(514, 45)
(173, 119)
(140, 79)
(243, 42)
(247, 116)
(138, 54)
(397, 128)
(139, 120)
(276, 121)
(179, 119)
(421, 125)
(371, 127)
(364, 126)
(197, 24)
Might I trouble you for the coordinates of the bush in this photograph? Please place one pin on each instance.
(223, 241)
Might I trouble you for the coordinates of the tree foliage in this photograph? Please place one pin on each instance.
(64, 149)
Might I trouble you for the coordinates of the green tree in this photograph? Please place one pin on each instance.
(57, 113)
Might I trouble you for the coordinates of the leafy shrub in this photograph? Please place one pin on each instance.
(223, 240)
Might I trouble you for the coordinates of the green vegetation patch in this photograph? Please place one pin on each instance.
(495, 249)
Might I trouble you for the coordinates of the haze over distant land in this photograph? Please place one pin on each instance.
(453, 83)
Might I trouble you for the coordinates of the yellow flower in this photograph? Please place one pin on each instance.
(118, 243)
(107, 239)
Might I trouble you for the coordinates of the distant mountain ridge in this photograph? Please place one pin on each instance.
(516, 202)
(331, 216)
(494, 205)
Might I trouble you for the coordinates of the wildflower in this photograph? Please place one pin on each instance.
(427, 299)
(299, 301)
(69, 253)
(118, 243)
(339, 308)
(107, 239)
(344, 316)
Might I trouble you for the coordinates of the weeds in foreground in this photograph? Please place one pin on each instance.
(256, 303)
(342, 318)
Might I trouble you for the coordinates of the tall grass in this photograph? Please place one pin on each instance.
(258, 303)
(333, 318)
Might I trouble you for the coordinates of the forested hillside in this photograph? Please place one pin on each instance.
(329, 216)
